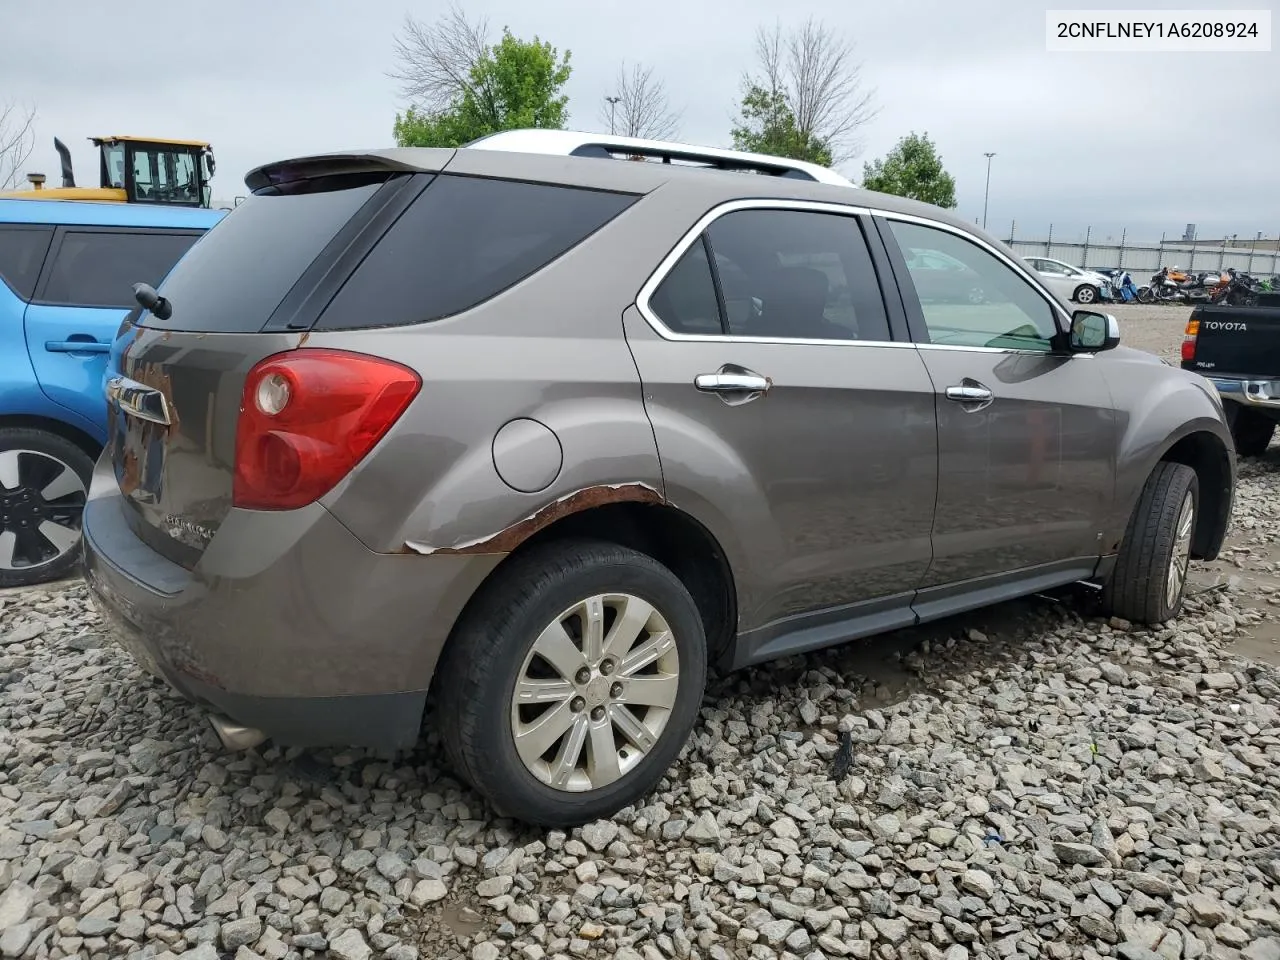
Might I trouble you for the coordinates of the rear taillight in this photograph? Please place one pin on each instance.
(307, 417)
(1189, 340)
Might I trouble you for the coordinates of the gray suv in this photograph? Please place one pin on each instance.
(546, 436)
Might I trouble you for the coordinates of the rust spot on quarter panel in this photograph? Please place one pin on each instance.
(508, 538)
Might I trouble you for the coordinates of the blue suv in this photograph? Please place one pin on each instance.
(67, 269)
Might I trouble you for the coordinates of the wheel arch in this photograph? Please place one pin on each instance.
(661, 531)
(1211, 459)
(91, 447)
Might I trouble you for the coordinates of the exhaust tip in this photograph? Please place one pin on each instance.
(235, 737)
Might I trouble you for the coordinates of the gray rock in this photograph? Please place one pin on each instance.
(349, 945)
(599, 834)
(979, 882)
(1206, 910)
(428, 891)
(240, 933)
(1078, 853)
(15, 904)
(704, 829)
(1266, 949)
(14, 940)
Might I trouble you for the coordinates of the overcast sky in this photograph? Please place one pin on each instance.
(1144, 141)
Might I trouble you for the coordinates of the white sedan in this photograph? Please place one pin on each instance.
(1071, 283)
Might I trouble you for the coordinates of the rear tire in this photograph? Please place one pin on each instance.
(44, 484)
(1149, 581)
(501, 699)
(1252, 432)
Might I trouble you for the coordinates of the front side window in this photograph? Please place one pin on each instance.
(986, 303)
(99, 268)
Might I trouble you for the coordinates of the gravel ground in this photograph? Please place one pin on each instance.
(1026, 782)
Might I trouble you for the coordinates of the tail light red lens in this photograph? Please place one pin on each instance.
(307, 417)
(1189, 340)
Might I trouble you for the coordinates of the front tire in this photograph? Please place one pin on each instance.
(1149, 581)
(44, 483)
(1086, 294)
(572, 682)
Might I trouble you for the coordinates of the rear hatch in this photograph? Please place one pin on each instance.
(245, 291)
(1239, 342)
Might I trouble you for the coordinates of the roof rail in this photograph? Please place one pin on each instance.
(572, 143)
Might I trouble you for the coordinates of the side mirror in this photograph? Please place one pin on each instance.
(1093, 332)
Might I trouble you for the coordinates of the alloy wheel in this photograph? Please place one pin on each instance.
(595, 692)
(41, 505)
(1181, 556)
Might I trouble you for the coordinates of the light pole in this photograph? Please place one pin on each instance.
(987, 194)
(613, 103)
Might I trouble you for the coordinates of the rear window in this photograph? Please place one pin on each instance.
(22, 250)
(463, 241)
(235, 278)
(99, 268)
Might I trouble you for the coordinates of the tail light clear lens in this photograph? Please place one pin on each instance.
(307, 417)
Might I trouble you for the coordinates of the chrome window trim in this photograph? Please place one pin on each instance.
(1026, 273)
(668, 263)
(682, 246)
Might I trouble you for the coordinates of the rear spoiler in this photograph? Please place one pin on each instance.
(323, 166)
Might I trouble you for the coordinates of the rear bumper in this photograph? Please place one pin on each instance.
(1262, 394)
(287, 624)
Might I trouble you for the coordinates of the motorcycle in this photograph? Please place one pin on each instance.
(1199, 289)
(1122, 286)
(1241, 290)
(1162, 289)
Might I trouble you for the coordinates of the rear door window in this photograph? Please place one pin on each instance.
(98, 268)
(797, 274)
(22, 252)
(686, 298)
(463, 241)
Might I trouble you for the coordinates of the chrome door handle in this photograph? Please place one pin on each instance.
(731, 383)
(969, 393)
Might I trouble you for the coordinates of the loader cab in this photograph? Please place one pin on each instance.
(175, 172)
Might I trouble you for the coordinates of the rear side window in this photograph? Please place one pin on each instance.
(686, 299)
(463, 241)
(99, 268)
(235, 279)
(22, 250)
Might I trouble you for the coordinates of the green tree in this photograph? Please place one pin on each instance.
(912, 169)
(461, 87)
(767, 125)
(805, 99)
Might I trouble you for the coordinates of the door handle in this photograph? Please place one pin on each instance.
(973, 395)
(77, 346)
(731, 383)
(968, 394)
(734, 385)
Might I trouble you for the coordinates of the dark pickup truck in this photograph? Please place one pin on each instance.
(1238, 350)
